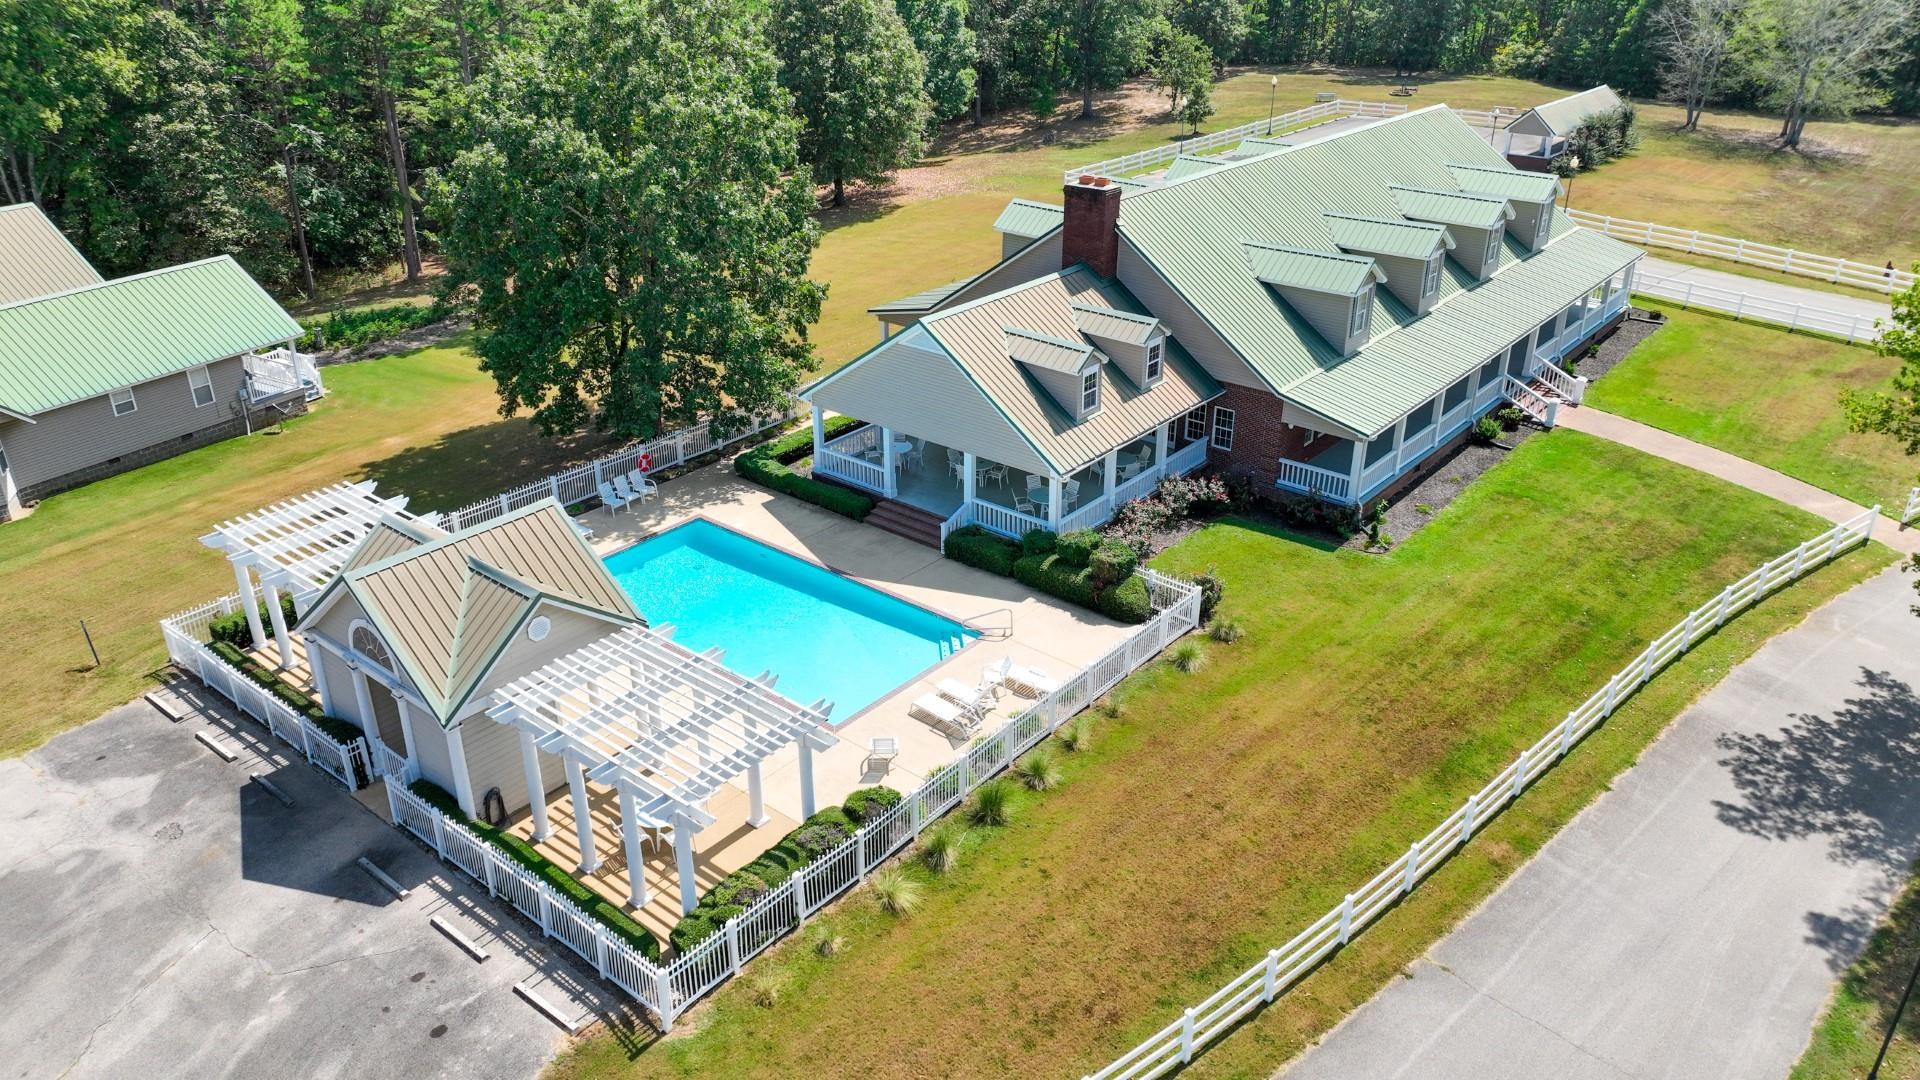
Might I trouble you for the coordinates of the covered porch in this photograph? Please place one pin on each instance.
(968, 488)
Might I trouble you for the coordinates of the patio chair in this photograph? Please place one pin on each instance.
(1131, 469)
(956, 462)
(914, 458)
(1072, 493)
(1023, 502)
(625, 490)
(1026, 681)
(642, 486)
(979, 698)
(610, 498)
(983, 473)
(881, 751)
(939, 710)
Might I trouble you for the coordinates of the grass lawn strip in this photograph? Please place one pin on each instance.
(1764, 395)
(1221, 812)
(1848, 1033)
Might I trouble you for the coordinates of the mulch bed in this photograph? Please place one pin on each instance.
(407, 341)
(1634, 329)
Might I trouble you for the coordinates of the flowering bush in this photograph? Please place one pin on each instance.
(1175, 499)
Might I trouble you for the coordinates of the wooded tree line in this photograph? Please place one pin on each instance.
(304, 134)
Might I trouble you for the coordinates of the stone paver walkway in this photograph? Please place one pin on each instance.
(1735, 470)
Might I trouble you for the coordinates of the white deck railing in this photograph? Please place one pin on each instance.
(1787, 260)
(281, 371)
(345, 762)
(1156, 156)
(1314, 480)
(1571, 387)
(1004, 520)
(853, 470)
(1744, 305)
(1911, 512)
(1086, 517)
(1178, 1042)
(1543, 409)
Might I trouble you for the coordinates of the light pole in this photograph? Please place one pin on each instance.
(1273, 90)
(1573, 166)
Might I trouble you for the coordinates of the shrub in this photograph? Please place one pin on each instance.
(992, 803)
(1128, 602)
(897, 893)
(345, 329)
(1112, 562)
(1038, 542)
(1075, 548)
(868, 803)
(1508, 417)
(828, 943)
(1225, 631)
(1212, 588)
(940, 847)
(1038, 771)
(1077, 735)
(1193, 496)
(596, 907)
(767, 465)
(740, 888)
(817, 840)
(1486, 431)
(1188, 657)
(233, 628)
(976, 547)
(763, 988)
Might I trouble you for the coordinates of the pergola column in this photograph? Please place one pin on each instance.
(683, 863)
(1055, 490)
(249, 603)
(536, 788)
(756, 797)
(806, 777)
(279, 620)
(582, 815)
(638, 895)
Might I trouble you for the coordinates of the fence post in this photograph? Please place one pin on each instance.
(440, 841)
(1794, 323)
(1739, 306)
(1566, 736)
(1467, 819)
(1270, 979)
(663, 992)
(732, 930)
(1519, 774)
(1853, 327)
(1186, 1038)
(1688, 299)
(799, 880)
(1346, 919)
(1799, 559)
(1413, 868)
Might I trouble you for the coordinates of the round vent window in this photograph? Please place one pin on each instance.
(538, 628)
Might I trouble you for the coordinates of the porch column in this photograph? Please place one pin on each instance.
(319, 683)
(279, 620)
(889, 485)
(462, 780)
(967, 461)
(1055, 491)
(806, 776)
(536, 787)
(683, 863)
(406, 729)
(819, 432)
(1359, 466)
(249, 603)
(1109, 470)
(363, 700)
(886, 330)
(1160, 448)
(638, 896)
(582, 814)
(1399, 443)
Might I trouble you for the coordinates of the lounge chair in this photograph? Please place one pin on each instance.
(1026, 681)
(643, 487)
(612, 499)
(979, 698)
(941, 711)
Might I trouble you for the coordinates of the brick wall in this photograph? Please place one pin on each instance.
(159, 451)
(1260, 439)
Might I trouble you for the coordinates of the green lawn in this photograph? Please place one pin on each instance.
(1848, 1034)
(123, 552)
(1763, 394)
(1221, 812)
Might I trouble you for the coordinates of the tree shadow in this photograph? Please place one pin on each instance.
(473, 463)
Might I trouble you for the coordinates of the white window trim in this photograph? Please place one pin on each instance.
(115, 400)
(1156, 359)
(1219, 412)
(1196, 427)
(369, 659)
(1493, 246)
(1361, 317)
(1430, 283)
(200, 378)
(1089, 389)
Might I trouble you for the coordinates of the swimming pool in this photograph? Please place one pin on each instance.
(825, 635)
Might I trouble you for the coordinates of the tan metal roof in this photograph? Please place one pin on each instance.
(36, 258)
(1112, 324)
(447, 607)
(974, 334)
(1044, 351)
(389, 537)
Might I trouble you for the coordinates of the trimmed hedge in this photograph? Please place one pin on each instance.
(600, 909)
(233, 629)
(338, 730)
(816, 836)
(1128, 602)
(1075, 548)
(974, 546)
(868, 803)
(1083, 567)
(767, 465)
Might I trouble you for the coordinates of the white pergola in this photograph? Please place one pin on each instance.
(298, 545)
(664, 726)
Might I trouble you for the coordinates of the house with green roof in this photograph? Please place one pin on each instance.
(97, 376)
(1540, 134)
(1323, 318)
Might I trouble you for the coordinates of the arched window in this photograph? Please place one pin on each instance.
(368, 644)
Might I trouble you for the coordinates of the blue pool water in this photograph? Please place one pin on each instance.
(826, 636)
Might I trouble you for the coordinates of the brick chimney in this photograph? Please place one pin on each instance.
(1088, 234)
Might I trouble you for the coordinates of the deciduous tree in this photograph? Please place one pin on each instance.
(858, 85)
(1820, 57)
(939, 30)
(1694, 38)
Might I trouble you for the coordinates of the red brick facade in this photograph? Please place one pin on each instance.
(1260, 438)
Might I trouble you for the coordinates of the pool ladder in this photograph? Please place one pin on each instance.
(996, 631)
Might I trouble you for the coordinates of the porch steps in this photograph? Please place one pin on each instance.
(909, 522)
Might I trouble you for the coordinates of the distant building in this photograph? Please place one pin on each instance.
(1539, 135)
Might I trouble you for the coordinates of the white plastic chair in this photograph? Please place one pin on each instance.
(643, 487)
(956, 462)
(1026, 681)
(624, 489)
(941, 711)
(979, 698)
(1071, 495)
(610, 498)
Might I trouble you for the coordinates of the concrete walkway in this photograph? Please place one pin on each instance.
(1692, 920)
(1812, 294)
(1733, 469)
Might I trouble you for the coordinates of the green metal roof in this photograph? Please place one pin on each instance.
(70, 346)
(1029, 219)
(1450, 207)
(1563, 115)
(1343, 275)
(1258, 146)
(921, 301)
(1190, 165)
(1506, 183)
(1381, 236)
(1193, 235)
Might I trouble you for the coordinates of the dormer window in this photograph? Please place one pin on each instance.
(1156, 350)
(1090, 392)
(1493, 250)
(1431, 283)
(1362, 314)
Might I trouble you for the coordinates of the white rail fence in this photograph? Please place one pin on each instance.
(1176, 1044)
(1744, 305)
(582, 482)
(671, 989)
(184, 633)
(1788, 260)
(1154, 157)
(1911, 512)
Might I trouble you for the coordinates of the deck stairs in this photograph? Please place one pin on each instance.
(907, 521)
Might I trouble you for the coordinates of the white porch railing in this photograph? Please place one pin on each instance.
(280, 371)
(1135, 487)
(1456, 420)
(1543, 409)
(1086, 517)
(1744, 305)
(1571, 387)
(1787, 260)
(345, 762)
(1154, 157)
(1416, 446)
(1314, 480)
(1186, 459)
(1373, 476)
(1004, 520)
(853, 470)
(1178, 1042)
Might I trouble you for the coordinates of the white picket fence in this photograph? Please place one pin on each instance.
(670, 990)
(1911, 512)
(185, 633)
(1156, 156)
(1788, 260)
(582, 482)
(1745, 305)
(1176, 1044)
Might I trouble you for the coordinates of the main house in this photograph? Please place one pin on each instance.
(98, 376)
(1321, 317)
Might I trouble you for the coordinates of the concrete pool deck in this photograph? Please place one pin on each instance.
(1047, 634)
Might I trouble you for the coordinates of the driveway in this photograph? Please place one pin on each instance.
(166, 917)
(1691, 922)
(1813, 294)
